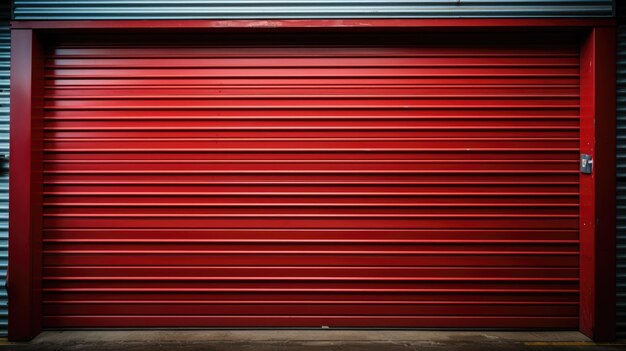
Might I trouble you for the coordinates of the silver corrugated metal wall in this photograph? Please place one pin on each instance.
(621, 182)
(199, 9)
(4, 170)
(232, 9)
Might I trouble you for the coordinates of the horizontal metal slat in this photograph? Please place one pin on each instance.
(263, 9)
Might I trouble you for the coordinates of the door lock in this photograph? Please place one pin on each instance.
(586, 164)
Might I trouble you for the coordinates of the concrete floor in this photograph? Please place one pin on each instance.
(307, 340)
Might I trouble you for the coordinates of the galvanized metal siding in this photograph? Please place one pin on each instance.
(621, 182)
(231, 9)
(4, 171)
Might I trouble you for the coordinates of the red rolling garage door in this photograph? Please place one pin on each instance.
(407, 181)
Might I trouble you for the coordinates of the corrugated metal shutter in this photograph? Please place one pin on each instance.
(621, 182)
(197, 9)
(380, 182)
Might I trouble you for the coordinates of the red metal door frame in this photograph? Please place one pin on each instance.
(597, 190)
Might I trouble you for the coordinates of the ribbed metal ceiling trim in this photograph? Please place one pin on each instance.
(233, 9)
(621, 182)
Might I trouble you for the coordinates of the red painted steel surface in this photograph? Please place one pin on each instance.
(376, 24)
(597, 233)
(25, 206)
(392, 181)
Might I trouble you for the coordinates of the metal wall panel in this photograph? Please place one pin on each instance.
(621, 182)
(387, 181)
(4, 174)
(5, 47)
(232, 9)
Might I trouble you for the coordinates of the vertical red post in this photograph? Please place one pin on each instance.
(597, 190)
(25, 186)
